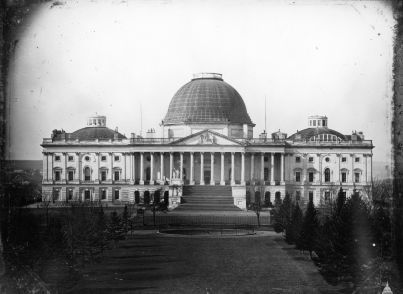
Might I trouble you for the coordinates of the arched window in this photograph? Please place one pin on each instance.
(147, 197)
(166, 197)
(327, 175)
(137, 197)
(157, 197)
(87, 174)
(267, 198)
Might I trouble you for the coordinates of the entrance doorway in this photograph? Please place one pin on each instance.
(207, 177)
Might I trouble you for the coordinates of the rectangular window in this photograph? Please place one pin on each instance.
(297, 195)
(87, 194)
(116, 158)
(297, 159)
(71, 175)
(298, 176)
(343, 177)
(70, 194)
(57, 175)
(357, 159)
(103, 194)
(103, 158)
(310, 195)
(310, 159)
(266, 158)
(116, 194)
(327, 195)
(56, 195)
(57, 158)
(117, 176)
(266, 174)
(70, 158)
(103, 175)
(344, 159)
(310, 175)
(357, 177)
(314, 123)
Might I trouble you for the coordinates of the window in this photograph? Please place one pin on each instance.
(344, 159)
(116, 158)
(70, 158)
(343, 177)
(103, 194)
(297, 195)
(327, 159)
(324, 123)
(87, 174)
(56, 194)
(87, 158)
(71, 175)
(310, 195)
(87, 195)
(310, 159)
(103, 175)
(103, 158)
(70, 194)
(297, 159)
(116, 194)
(314, 123)
(57, 158)
(57, 175)
(266, 158)
(357, 177)
(298, 176)
(327, 196)
(319, 122)
(117, 174)
(310, 177)
(327, 175)
(357, 159)
(266, 174)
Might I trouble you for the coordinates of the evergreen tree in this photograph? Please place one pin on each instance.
(282, 214)
(115, 229)
(293, 231)
(277, 218)
(340, 201)
(309, 230)
(125, 219)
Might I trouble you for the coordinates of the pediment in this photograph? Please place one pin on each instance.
(206, 137)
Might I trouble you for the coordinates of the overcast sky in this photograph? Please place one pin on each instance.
(109, 57)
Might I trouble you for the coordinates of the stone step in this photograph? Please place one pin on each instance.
(207, 207)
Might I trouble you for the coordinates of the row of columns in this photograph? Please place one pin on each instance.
(192, 182)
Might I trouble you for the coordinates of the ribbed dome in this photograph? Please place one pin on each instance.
(207, 99)
(92, 133)
(306, 134)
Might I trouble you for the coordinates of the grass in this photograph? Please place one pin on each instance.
(153, 263)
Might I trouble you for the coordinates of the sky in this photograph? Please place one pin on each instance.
(114, 58)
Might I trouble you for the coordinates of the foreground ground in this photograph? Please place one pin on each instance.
(155, 263)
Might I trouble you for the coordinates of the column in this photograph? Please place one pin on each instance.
(242, 168)
(262, 168)
(212, 182)
(45, 165)
(151, 168)
(272, 169)
(64, 176)
(201, 168)
(134, 167)
(339, 156)
(366, 168)
(191, 169)
(111, 162)
(78, 167)
(222, 181)
(171, 160)
(141, 182)
(370, 156)
(252, 167)
(181, 166)
(320, 167)
(99, 176)
(352, 168)
(232, 168)
(282, 170)
(162, 166)
(124, 166)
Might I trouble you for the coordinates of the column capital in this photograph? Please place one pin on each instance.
(64, 153)
(352, 154)
(110, 153)
(201, 152)
(338, 154)
(97, 153)
(222, 153)
(191, 152)
(212, 153)
(152, 153)
(232, 153)
(78, 153)
(162, 152)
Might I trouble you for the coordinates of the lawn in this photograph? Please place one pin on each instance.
(154, 263)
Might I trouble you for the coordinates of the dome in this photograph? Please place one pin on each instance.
(207, 99)
(309, 133)
(92, 133)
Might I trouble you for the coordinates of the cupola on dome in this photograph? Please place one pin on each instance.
(207, 99)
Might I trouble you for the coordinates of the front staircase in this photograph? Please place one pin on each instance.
(217, 198)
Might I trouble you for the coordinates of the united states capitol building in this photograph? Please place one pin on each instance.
(208, 145)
